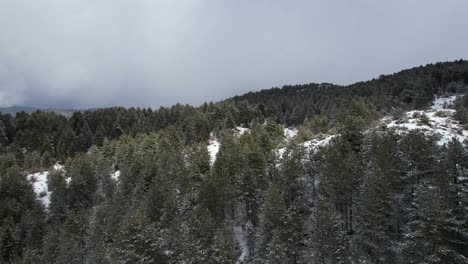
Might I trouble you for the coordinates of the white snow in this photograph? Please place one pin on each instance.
(213, 149)
(58, 167)
(313, 144)
(290, 133)
(241, 130)
(442, 102)
(115, 176)
(444, 126)
(214, 144)
(40, 185)
(280, 152)
(241, 240)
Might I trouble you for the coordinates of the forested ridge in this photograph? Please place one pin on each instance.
(140, 185)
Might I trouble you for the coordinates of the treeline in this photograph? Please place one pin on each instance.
(408, 89)
(55, 137)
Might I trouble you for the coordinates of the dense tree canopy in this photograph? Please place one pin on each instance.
(138, 185)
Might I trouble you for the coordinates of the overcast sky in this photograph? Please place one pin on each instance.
(97, 53)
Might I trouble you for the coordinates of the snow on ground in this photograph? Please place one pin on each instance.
(315, 143)
(241, 130)
(309, 145)
(241, 240)
(39, 183)
(40, 186)
(58, 167)
(213, 148)
(214, 144)
(440, 122)
(290, 133)
(68, 180)
(441, 103)
(115, 176)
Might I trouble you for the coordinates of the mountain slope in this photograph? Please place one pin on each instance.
(409, 89)
(377, 175)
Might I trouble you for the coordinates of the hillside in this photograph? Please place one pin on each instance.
(408, 89)
(326, 104)
(374, 172)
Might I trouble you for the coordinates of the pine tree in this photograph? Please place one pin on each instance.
(220, 189)
(21, 216)
(253, 179)
(341, 175)
(375, 213)
(72, 247)
(99, 135)
(99, 239)
(229, 122)
(274, 240)
(452, 179)
(276, 249)
(138, 241)
(374, 218)
(10, 242)
(245, 113)
(83, 184)
(32, 161)
(331, 241)
(58, 198)
(199, 242)
(3, 136)
(432, 230)
(34, 227)
(456, 170)
(293, 184)
(419, 152)
(224, 247)
(51, 244)
(66, 144)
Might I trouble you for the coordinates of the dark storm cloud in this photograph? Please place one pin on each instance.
(93, 53)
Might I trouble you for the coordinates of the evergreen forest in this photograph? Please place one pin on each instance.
(228, 182)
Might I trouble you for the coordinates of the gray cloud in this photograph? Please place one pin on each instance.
(88, 53)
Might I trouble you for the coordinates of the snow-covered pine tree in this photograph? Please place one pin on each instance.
(273, 237)
(224, 248)
(331, 242)
(433, 229)
(376, 232)
(138, 241)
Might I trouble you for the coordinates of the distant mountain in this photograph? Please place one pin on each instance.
(15, 109)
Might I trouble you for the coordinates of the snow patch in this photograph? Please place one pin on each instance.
(241, 130)
(213, 149)
(214, 144)
(310, 145)
(58, 167)
(115, 176)
(280, 152)
(40, 184)
(441, 103)
(290, 133)
(242, 241)
(316, 143)
(440, 122)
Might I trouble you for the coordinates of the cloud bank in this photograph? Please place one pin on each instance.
(88, 53)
